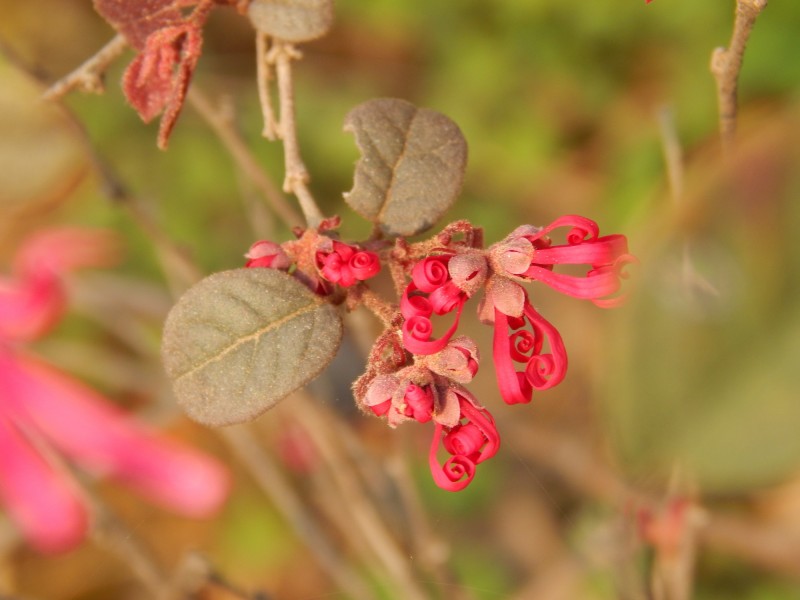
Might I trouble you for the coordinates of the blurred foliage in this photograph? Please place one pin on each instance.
(558, 102)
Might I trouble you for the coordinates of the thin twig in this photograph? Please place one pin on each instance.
(89, 76)
(244, 158)
(726, 63)
(362, 510)
(673, 153)
(770, 548)
(114, 535)
(263, 77)
(296, 178)
(272, 482)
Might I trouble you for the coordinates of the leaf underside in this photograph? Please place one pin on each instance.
(292, 20)
(240, 341)
(411, 168)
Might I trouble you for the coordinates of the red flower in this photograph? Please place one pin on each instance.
(513, 343)
(44, 413)
(431, 291)
(529, 255)
(471, 441)
(346, 265)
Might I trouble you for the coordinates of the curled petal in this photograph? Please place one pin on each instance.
(88, 429)
(40, 500)
(431, 273)
(541, 371)
(365, 265)
(602, 251)
(446, 298)
(464, 439)
(417, 332)
(456, 473)
(345, 251)
(484, 422)
(414, 305)
(597, 284)
(582, 230)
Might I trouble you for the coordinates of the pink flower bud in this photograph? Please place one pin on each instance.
(431, 273)
(267, 254)
(365, 265)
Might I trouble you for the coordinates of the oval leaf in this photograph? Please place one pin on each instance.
(239, 341)
(412, 165)
(292, 20)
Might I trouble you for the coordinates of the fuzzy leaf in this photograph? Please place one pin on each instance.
(240, 341)
(412, 164)
(137, 19)
(292, 20)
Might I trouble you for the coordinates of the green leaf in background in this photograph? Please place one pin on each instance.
(240, 341)
(412, 165)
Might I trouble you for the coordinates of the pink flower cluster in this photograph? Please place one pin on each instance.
(317, 260)
(529, 353)
(47, 418)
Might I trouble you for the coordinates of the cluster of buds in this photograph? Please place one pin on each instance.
(414, 374)
(316, 259)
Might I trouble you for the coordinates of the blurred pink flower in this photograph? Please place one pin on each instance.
(46, 416)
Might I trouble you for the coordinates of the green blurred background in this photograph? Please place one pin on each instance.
(694, 381)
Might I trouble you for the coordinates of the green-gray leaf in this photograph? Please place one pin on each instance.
(292, 20)
(412, 164)
(240, 341)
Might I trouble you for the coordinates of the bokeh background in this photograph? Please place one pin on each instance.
(687, 394)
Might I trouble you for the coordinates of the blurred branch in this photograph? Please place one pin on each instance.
(773, 549)
(241, 154)
(90, 75)
(272, 482)
(363, 513)
(726, 63)
(673, 153)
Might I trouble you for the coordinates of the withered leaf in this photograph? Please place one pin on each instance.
(411, 168)
(137, 19)
(292, 20)
(240, 341)
(169, 45)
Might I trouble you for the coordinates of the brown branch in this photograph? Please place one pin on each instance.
(363, 513)
(726, 63)
(296, 179)
(579, 467)
(269, 478)
(263, 77)
(89, 76)
(244, 158)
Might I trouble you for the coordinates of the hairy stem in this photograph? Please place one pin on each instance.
(296, 179)
(726, 63)
(263, 76)
(89, 76)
